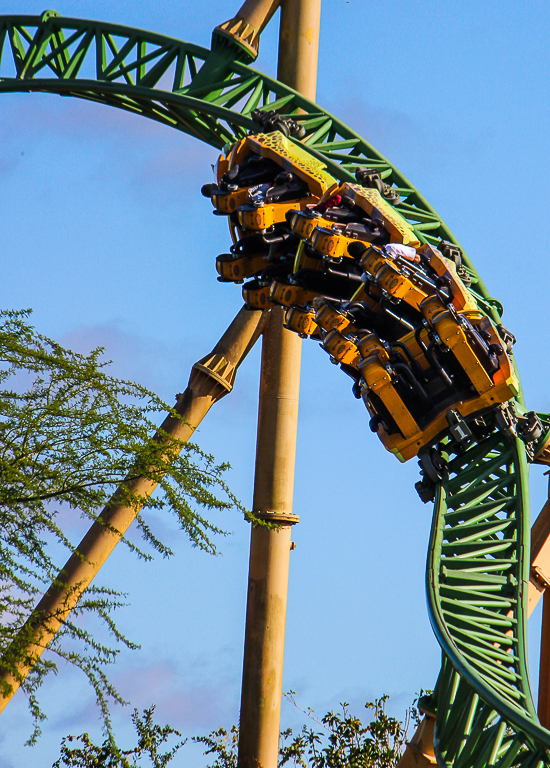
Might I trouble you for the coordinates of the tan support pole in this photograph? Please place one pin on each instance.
(211, 378)
(540, 556)
(246, 26)
(275, 457)
(270, 549)
(538, 583)
(419, 752)
(543, 709)
(299, 45)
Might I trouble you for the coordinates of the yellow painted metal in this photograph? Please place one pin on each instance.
(303, 224)
(406, 448)
(301, 322)
(341, 349)
(451, 320)
(211, 378)
(293, 158)
(287, 295)
(269, 549)
(330, 242)
(236, 269)
(372, 202)
(380, 383)
(276, 147)
(256, 296)
(331, 239)
(247, 24)
(330, 318)
(227, 202)
(445, 268)
(265, 217)
(419, 752)
(452, 335)
(275, 459)
(410, 436)
(391, 279)
(299, 45)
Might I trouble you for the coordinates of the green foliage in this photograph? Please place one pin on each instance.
(338, 740)
(223, 744)
(151, 737)
(345, 741)
(69, 435)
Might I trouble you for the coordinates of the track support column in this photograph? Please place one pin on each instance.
(539, 586)
(270, 549)
(299, 45)
(544, 668)
(275, 458)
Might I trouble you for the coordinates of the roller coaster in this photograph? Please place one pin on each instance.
(324, 226)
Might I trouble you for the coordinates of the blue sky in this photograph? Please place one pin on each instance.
(105, 235)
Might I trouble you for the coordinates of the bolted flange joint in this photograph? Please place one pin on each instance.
(280, 518)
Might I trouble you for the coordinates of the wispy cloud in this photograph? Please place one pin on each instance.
(399, 135)
(134, 357)
(187, 700)
(143, 152)
(37, 114)
(190, 704)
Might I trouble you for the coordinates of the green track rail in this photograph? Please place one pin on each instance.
(477, 579)
(478, 560)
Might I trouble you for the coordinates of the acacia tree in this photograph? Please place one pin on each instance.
(69, 435)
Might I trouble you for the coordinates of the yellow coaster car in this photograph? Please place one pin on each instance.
(395, 313)
(351, 213)
(302, 322)
(451, 363)
(252, 255)
(256, 294)
(264, 177)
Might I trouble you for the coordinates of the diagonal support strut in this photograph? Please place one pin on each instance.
(211, 379)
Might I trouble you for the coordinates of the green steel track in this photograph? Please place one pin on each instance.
(478, 559)
(477, 577)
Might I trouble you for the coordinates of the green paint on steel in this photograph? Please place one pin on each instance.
(477, 577)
